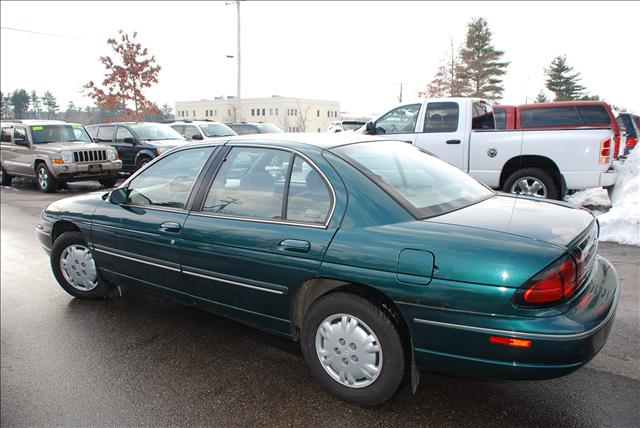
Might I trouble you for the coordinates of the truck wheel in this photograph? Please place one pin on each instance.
(108, 182)
(353, 349)
(534, 182)
(46, 181)
(75, 269)
(5, 179)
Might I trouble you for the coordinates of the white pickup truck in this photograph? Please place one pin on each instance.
(461, 131)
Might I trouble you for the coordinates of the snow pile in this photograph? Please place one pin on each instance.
(622, 222)
(596, 199)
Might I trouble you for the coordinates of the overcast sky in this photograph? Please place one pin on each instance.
(357, 53)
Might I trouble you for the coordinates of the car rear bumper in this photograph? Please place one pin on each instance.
(558, 344)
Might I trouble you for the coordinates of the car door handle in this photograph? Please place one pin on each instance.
(453, 141)
(295, 245)
(170, 226)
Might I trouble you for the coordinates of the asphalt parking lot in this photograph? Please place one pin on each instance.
(139, 360)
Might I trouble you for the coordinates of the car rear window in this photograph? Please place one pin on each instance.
(426, 186)
(594, 115)
(501, 118)
(549, 117)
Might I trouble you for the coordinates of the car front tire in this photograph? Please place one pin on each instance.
(46, 182)
(353, 349)
(75, 269)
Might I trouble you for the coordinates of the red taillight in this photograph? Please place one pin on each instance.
(555, 283)
(510, 341)
(605, 151)
(631, 142)
(616, 147)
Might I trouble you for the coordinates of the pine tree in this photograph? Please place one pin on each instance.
(562, 82)
(71, 108)
(6, 106)
(36, 106)
(447, 81)
(482, 67)
(51, 104)
(542, 97)
(20, 101)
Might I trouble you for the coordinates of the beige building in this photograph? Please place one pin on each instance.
(290, 114)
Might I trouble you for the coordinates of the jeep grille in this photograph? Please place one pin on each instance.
(89, 155)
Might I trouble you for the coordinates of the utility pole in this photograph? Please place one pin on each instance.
(237, 103)
(400, 97)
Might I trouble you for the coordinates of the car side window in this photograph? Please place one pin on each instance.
(168, 182)
(250, 183)
(549, 116)
(123, 133)
(6, 134)
(482, 116)
(105, 133)
(399, 121)
(190, 131)
(309, 197)
(441, 117)
(19, 133)
(501, 118)
(179, 129)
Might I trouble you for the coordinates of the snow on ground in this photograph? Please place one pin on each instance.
(621, 223)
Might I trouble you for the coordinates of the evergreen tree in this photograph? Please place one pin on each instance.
(448, 81)
(542, 97)
(71, 108)
(36, 106)
(20, 101)
(482, 67)
(6, 106)
(562, 81)
(51, 104)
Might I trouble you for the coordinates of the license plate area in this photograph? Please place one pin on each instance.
(95, 168)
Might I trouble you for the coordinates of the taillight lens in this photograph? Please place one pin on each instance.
(631, 142)
(553, 284)
(605, 151)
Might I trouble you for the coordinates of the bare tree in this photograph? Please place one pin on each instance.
(302, 116)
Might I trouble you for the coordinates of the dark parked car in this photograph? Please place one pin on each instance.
(137, 143)
(561, 115)
(244, 128)
(379, 258)
(630, 123)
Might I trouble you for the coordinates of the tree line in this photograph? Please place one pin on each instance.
(476, 69)
(119, 97)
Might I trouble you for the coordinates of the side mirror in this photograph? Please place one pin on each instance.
(129, 140)
(118, 196)
(197, 137)
(370, 128)
(20, 142)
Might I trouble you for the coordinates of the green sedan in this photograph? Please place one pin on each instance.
(380, 259)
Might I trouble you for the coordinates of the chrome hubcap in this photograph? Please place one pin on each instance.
(43, 177)
(78, 267)
(529, 186)
(348, 350)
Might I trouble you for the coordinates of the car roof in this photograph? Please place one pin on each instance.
(31, 122)
(315, 139)
(196, 122)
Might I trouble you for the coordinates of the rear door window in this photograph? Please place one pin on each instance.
(594, 115)
(105, 133)
(482, 116)
(6, 134)
(441, 117)
(545, 117)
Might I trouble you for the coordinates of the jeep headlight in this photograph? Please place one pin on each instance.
(67, 156)
(112, 154)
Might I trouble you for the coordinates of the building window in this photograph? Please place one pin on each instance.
(206, 113)
(253, 112)
(215, 112)
(194, 113)
(318, 113)
(318, 129)
(263, 112)
(328, 113)
(270, 112)
(277, 112)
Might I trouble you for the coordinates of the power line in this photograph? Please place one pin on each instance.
(43, 34)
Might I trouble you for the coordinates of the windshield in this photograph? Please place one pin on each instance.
(56, 133)
(423, 184)
(155, 131)
(267, 128)
(217, 130)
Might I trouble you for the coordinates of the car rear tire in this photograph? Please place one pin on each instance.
(353, 349)
(534, 182)
(75, 269)
(46, 182)
(108, 183)
(5, 179)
